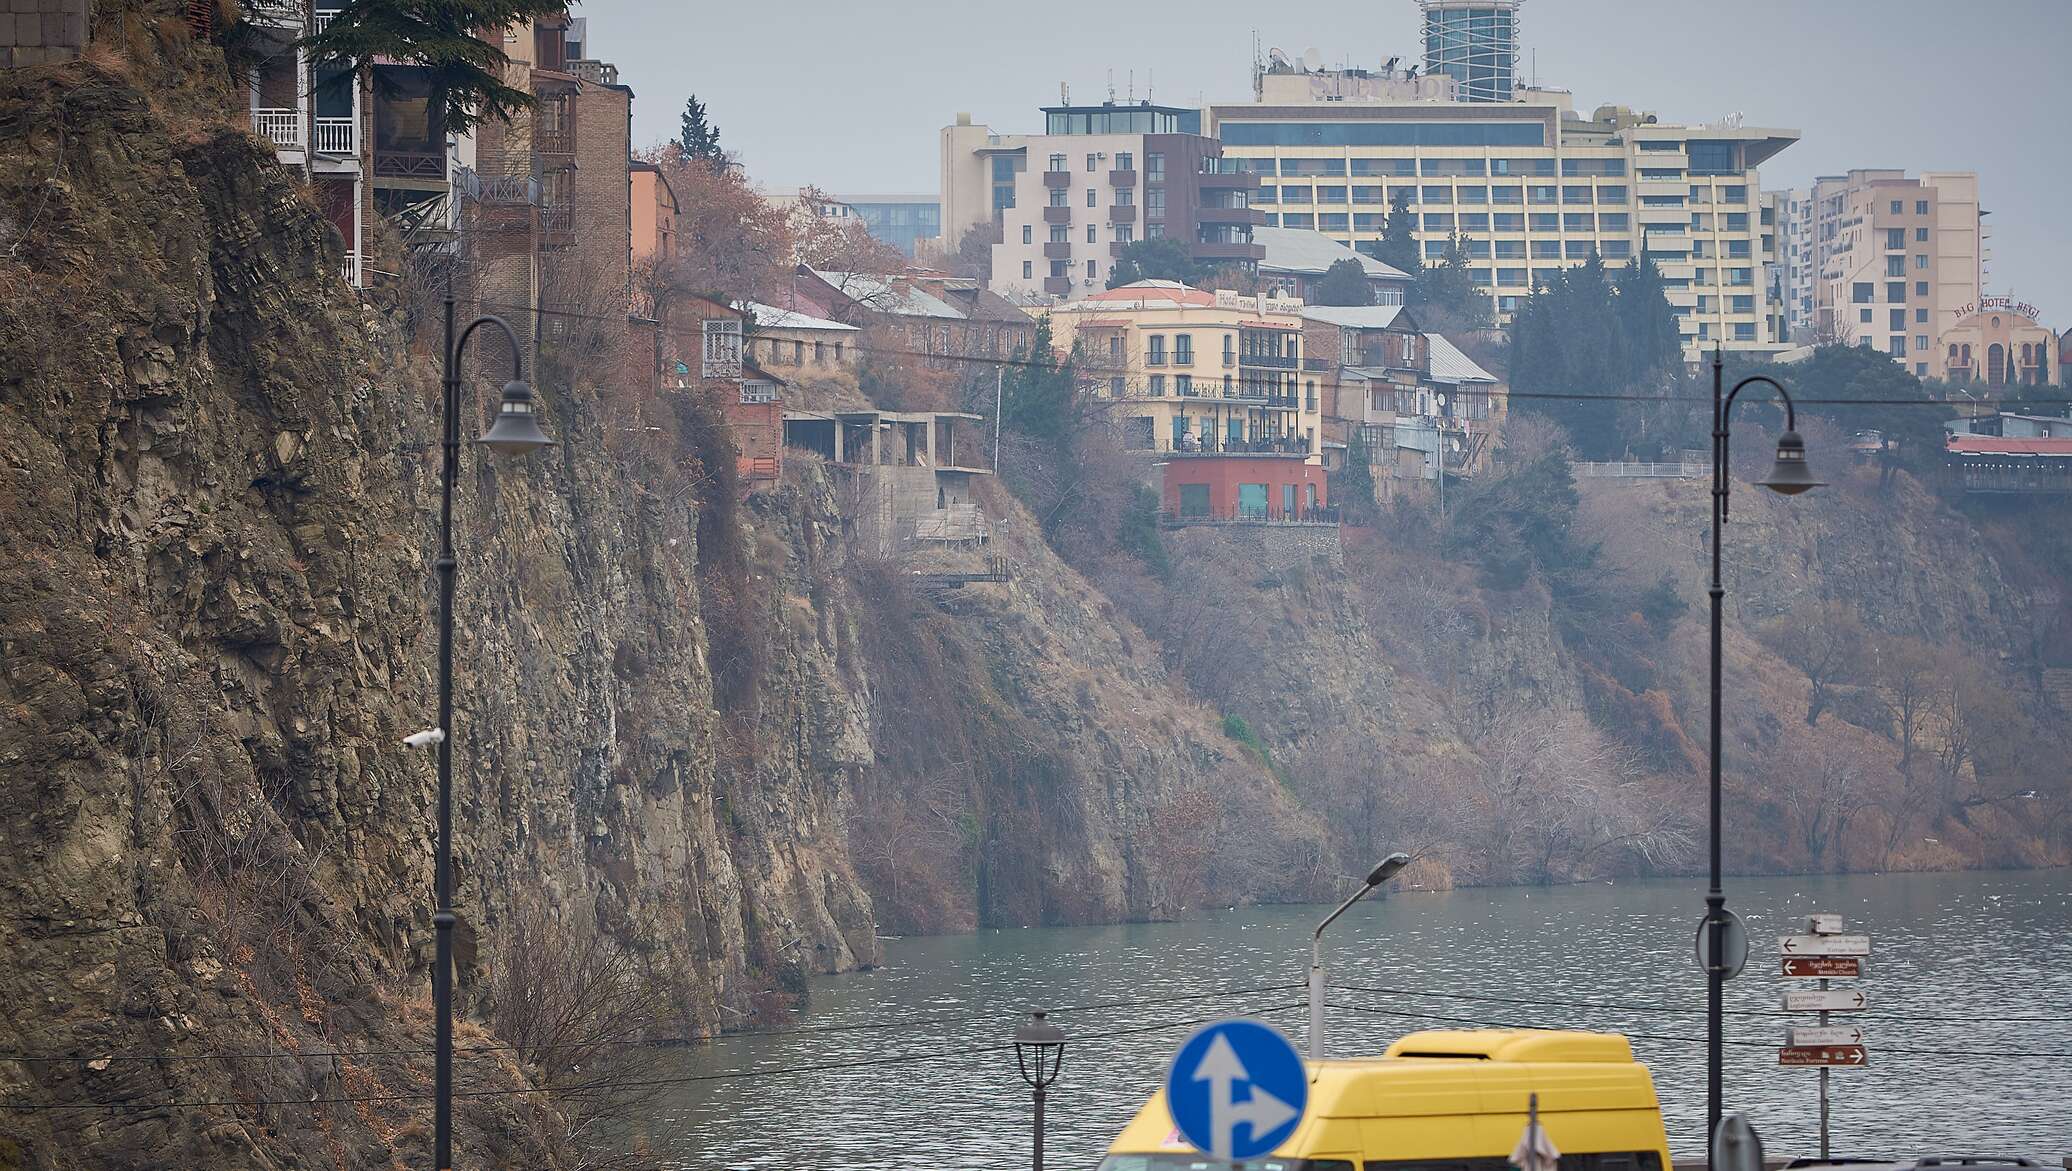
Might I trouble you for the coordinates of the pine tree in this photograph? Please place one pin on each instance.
(1398, 243)
(1653, 344)
(465, 71)
(699, 138)
(1344, 283)
(1160, 259)
(1449, 289)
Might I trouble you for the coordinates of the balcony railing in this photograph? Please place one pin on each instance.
(1124, 178)
(1057, 215)
(350, 269)
(274, 13)
(1057, 179)
(1270, 361)
(336, 136)
(282, 127)
(1057, 250)
(1057, 285)
(321, 19)
(1251, 516)
(1214, 445)
(595, 72)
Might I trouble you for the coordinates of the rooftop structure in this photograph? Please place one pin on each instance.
(1296, 258)
(1475, 42)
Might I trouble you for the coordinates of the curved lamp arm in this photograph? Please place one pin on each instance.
(460, 346)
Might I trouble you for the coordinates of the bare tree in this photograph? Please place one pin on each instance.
(1826, 642)
(1825, 786)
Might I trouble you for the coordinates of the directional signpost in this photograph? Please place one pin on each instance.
(1203, 1089)
(1823, 953)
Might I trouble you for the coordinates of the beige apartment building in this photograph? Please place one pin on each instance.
(1198, 373)
(1532, 186)
(1895, 262)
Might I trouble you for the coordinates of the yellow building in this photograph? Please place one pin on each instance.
(1195, 372)
(1532, 186)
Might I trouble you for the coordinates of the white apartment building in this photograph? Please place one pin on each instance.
(1792, 230)
(1532, 186)
(1897, 262)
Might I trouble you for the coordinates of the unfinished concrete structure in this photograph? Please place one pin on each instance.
(915, 474)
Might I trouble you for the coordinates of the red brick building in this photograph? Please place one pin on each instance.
(1237, 486)
(703, 353)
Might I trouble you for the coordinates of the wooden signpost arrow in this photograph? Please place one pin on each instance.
(1824, 1000)
(1822, 954)
(1817, 1035)
(1824, 945)
(1807, 967)
(1822, 1055)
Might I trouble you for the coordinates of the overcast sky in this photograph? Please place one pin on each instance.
(849, 95)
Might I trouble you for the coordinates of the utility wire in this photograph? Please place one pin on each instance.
(637, 1083)
(1765, 1012)
(862, 1026)
(1695, 400)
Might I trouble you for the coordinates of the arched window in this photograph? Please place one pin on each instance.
(1953, 356)
(1996, 364)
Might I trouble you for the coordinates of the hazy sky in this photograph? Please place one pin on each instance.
(849, 95)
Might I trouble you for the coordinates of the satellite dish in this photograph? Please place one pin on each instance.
(1277, 57)
(1312, 60)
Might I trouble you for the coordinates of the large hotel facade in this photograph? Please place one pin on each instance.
(1532, 187)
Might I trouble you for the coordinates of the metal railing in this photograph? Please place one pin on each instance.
(273, 13)
(336, 136)
(1274, 361)
(1316, 517)
(1624, 470)
(1211, 445)
(349, 269)
(321, 19)
(281, 127)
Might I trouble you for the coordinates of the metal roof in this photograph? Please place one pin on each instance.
(771, 317)
(1450, 365)
(1353, 316)
(885, 296)
(1998, 445)
(1300, 250)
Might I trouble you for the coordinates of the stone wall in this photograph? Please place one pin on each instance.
(37, 32)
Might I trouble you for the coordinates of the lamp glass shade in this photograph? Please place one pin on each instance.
(1790, 475)
(517, 428)
(1039, 1050)
(1388, 869)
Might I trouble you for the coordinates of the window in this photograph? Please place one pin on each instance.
(1920, 341)
(1744, 331)
(1546, 249)
(1545, 221)
(1862, 292)
(1863, 316)
(1156, 231)
(1090, 194)
(1616, 249)
(1125, 197)
(1297, 194)
(1154, 167)
(1371, 194)
(1542, 194)
(1060, 234)
(1895, 291)
(1741, 304)
(1330, 195)
(1898, 320)
(1578, 221)
(1898, 207)
(1611, 193)
(1575, 194)
(1510, 250)
(1510, 277)
(1125, 234)
(1740, 276)
(1920, 288)
(1920, 316)
(1895, 238)
(1507, 195)
(1093, 161)
(1155, 386)
(1614, 221)
(722, 349)
(1920, 262)
(1738, 249)
(1737, 221)
(1452, 166)
(1028, 270)
(1369, 222)
(1059, 197)
(1733, 195)
(1183, 385)
(1437, 194)
(1125, 161)
(1471, 194)
(1438, 221)
(1898, 347)
(1057, 162)
(1474, 221)
(1028, 233)
(1303, 220)
(1920, 207)
(1155, 350)
(1478, 249)
(1508, 221)
(1332, 221)
(1434, 249)
(1183, 349)
(1578, 249)
(1154, 202)
(1895, 266)
(1920, 235)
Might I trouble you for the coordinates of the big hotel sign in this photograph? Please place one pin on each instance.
(1999, 305)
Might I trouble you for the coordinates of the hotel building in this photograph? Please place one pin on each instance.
(1896, 262)
(1532, 186)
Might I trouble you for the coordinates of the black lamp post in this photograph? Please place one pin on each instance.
(1789, 476)
(1039, 1051)
(515, 432)
(1388, 868)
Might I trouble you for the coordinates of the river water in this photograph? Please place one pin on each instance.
(1969, 1025)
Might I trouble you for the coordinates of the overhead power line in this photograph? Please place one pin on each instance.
(1767, 1012)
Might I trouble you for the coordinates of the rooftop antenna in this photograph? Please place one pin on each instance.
(1111, 87)
(1150, 83)
(1133, 87)
(1064, 94)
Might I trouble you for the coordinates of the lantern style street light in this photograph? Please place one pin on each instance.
(1387, 869)
(1039, 1051)
(516, 431)
(1788, 476)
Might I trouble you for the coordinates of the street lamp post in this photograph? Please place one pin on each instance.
(1789, 476)
(1387, 869)
(515, 431)
(1039, 1051)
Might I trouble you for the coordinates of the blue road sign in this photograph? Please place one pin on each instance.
(1237, 1089)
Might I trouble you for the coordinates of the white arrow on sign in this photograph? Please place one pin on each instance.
(1222, 1070)
(1824, 945)
(1826, 1035)
(1825, 1000)
(1824, 924)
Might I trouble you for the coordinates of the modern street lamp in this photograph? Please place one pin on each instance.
(1788, 476)
(515, 432)
(1388, 869)
(1039, 1051)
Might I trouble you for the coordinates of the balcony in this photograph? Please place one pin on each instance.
(335, 136)
(1269, 361)
(1117, 249)
(1122, 178)
(1057, 180)
(1230, 215)
(1057, 215)
(1057, 250)
(281, 127)
(1057, 286)
(558, 140)
(285, 14)
(1122, 213)
(1227, 250)
(321, 19)
(1213, 445)
(595, 72)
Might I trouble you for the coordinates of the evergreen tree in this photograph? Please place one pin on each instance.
(1449, 289)
(1398, 243)
(1162, 259)
(699, 138)
(1344, 283)
(1036, 393)
(1352, 486)
(1645, 318)
(465, 71)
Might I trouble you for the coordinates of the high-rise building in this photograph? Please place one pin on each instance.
(1475, 42)
(1791, 223)
(899, 220)
(1531, 186)
(1070, 200)
(1896, 261)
